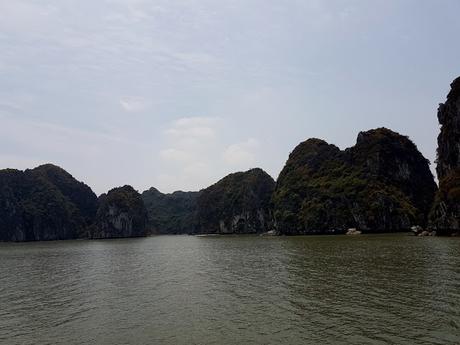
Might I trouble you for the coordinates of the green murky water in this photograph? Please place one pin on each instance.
(382, 289)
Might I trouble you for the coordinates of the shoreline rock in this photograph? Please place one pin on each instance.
(353, 231)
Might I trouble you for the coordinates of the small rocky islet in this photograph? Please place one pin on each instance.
(381, 184)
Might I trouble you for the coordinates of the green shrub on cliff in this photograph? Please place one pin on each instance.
(121, 213)
(45, 203)
(239, 203)
(445, 215)
(382, 183)
(173, 213)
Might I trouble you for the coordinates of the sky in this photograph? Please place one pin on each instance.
(176, 94)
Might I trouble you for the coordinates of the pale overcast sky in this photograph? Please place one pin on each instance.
(176, 94)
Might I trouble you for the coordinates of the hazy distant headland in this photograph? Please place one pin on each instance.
(381, 184)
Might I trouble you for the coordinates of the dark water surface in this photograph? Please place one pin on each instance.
(389, 289)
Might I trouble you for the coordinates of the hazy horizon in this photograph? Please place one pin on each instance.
(177, 94)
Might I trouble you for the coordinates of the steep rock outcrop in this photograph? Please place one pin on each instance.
(173, 213)
(121, 213)
(77, 192)
(445, 216)
(237, 204)
(381, 184)
(45, 203)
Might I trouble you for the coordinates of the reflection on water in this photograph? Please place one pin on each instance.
(232, 290)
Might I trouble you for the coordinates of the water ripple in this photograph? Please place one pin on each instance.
(232, 290)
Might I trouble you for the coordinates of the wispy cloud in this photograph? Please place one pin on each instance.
(24, 16)
(197, 153)
(193, 129)
(48, 138)
(134, 104)
(9, 108)
(191, 140)
(84, 153)
(241, 155)
(175, 154)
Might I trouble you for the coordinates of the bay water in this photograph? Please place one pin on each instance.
(366, 289)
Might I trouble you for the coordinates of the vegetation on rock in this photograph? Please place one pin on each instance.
(173, 213)
(45, 203)
(77, 192)
(383, 183)
(121, 213)
(239, 203)
(445, 216)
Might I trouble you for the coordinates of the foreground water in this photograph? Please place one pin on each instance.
(392, 289)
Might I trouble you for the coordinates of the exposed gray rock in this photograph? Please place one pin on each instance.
(121, 213)
(445, 216)
(353, 231)
(237, 204)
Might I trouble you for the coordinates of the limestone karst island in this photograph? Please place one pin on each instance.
(381, 184)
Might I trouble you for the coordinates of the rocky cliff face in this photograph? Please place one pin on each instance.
(381, 184)
(173, 213)
(239, 203)
(121, 213)
(445, 216)
(45, 203)
(77, 192)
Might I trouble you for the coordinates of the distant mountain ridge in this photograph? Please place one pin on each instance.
(173, 213)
